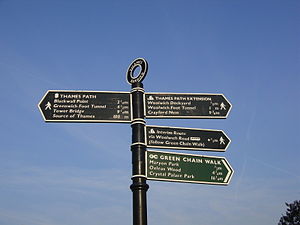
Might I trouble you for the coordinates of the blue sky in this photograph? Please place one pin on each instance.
(71, 174)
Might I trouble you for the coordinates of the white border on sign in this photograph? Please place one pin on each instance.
(89, 121)
(227, 165)
(187, 148)
(185, 117)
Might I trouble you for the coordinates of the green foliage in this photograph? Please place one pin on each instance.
(292, 216)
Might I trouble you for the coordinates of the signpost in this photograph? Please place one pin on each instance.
(186, 138)
(133, 107)
(86, 106)
(190, 168)
(177, 105)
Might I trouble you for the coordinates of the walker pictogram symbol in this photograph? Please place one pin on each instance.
(222, 141)
(48, 106)
(223, 106)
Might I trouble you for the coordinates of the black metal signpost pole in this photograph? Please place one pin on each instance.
(139, 186)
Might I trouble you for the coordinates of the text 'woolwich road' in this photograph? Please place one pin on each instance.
(179, 105)
(86, 106)
(166, 166)
(186, 138)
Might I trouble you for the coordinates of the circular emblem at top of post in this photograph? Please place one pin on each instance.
(143, 65)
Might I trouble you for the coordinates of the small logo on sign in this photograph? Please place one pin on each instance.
(195, 139)
(152, 131)
(151, 98)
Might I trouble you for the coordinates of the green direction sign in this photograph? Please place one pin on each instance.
(189, 168)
